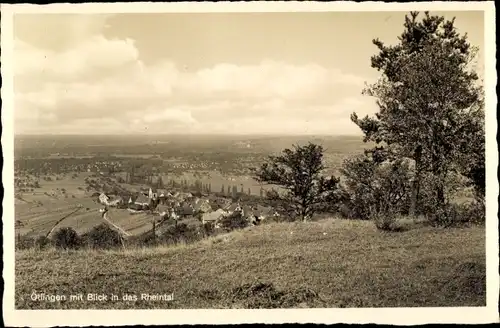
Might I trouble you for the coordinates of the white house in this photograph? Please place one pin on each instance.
(213, 217)
(103, 198)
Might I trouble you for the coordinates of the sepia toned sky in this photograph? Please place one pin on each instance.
(217, 73)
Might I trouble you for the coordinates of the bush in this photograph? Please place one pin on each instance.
(372, 188)
(41, 242)
(386, 222)
(180, 233)
(233, 221)
(102, 237)
(208, 229)
(477, 212)
(427, 199)
(276, 219)
(66, 238)
(24, 242)
(458, 215)
(146, 239)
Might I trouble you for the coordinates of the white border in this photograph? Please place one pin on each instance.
(402, 316)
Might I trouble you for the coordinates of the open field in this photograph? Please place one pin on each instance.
(131, 223)
(37, 221)
(328, 263)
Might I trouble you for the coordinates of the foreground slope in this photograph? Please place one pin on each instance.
(330, 263)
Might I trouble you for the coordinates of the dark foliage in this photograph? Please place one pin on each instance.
(180, 233)
(24, 242)
(102, 237)
(430, 105)
(66, 238)
(42, 242)
(234, 221)
(299, 172)
(372, 188)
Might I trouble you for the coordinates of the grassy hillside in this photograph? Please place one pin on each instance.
(329, 263)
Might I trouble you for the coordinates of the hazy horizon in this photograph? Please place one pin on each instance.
(187, 134)
(234, 74)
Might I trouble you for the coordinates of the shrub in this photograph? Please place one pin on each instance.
(457, 214)
(372, 188)
(208, 229)
(41, 242)
(385, 222)
(102, 237)
(24, 242)
(179, 233)
(66, 238)
(276, 219)
(234, 221)
(146, 239)
(427, 201)
(477, 212)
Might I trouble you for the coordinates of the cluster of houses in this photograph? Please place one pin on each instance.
(179, 205)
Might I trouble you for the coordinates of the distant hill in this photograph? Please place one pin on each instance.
(45, 145)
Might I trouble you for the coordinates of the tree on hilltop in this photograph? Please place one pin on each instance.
(430, 104)
(298, 171)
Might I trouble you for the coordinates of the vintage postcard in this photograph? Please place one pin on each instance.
(253, 162)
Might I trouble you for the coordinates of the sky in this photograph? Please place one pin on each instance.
(202, 73)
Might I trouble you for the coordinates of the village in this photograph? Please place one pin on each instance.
(134, 189)
(208, 208)
(128, 195)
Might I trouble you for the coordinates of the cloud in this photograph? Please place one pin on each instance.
(101, 85)
(87, 60)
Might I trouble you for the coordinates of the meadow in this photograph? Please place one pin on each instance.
(330, 262)
(327, 263)
(37, 212)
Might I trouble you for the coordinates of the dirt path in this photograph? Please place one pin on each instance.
(62, 219)
(105, 217)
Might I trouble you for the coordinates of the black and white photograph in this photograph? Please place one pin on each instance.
(227, 157)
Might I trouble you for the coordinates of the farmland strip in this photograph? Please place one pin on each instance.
(114, 225)
(60, 220)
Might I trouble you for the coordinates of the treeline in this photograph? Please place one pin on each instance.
(428, 134)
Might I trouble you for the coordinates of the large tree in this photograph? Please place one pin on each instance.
(428, 98)
(298, 171)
